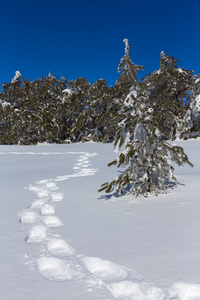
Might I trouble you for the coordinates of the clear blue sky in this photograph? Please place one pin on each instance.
(84, 38)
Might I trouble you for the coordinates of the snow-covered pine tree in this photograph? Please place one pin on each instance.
(94, 120)
(170, 89)
(189, 125)
(140, 145)
(78, 101)
(103, 108)
(32, 111)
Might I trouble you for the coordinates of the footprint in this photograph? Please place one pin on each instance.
(126, 290)
(47, 209)
(59, 247)
(105, 270)
(40, 191)
(132, 290)
(54, 268)
(34, 188)
(52, 221)
(43, 193)
(55, 197)
(28, 217)
(87, 172)
(80, 160)
(37, 234)
(38, 203)
(43, 181)
(51, 186)
(184, 291)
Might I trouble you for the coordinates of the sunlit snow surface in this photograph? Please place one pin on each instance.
(61, 239)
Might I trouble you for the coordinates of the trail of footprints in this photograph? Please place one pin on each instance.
(58, 260)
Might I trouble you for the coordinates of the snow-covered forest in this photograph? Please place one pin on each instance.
(55, 110)
(66, 233)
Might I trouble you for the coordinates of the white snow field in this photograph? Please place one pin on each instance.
(61, 239)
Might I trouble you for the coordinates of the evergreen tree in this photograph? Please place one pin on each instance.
(32, 115)
(94, 121)
(169, 89)
(77, 104)
(189, 125)
(140, 145)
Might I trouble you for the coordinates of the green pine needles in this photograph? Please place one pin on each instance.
(140, 142)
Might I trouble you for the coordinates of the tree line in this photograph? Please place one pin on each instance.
(55, 110)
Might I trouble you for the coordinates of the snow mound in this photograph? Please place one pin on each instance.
(185, 291)
(105, 270)
(47, 209)
(38, 203)
(37, 233)
(52, 221)
(59, 247)
(87, 172)
(28, 217)
(54, 268)
(56, 197)
(127, 290)
(34, 188)
(51, 185)
(43, 193)
(40, 191)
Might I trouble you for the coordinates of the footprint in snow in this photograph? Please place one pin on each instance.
(37, 233)
(43, 193)
(56, 197)
(79, 164)
(40, 191)
(52, 221)
(43, 181)
(47, 209)
(85, 166)
(51, 186)
(38, 203)
(132, 290)
(105, 270)
(28, 217)
(34, 188)
(59, 247)
(56, 269)
(81, 159)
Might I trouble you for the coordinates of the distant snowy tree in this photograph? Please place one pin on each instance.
(169, 89)
(76, 106)
(140, 145)
(189, 125)
(32, 115)
(97, 120)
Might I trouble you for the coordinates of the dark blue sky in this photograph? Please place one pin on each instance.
(84, 38)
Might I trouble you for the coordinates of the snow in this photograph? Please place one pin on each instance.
(197, 104)
(61, 239)
(4, 103)
(37, 233)
(67, 91)
(126, 46)
(59, 247)
(47, 209)
(17, 77)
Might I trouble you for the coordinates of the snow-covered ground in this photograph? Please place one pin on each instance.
(61, 239)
